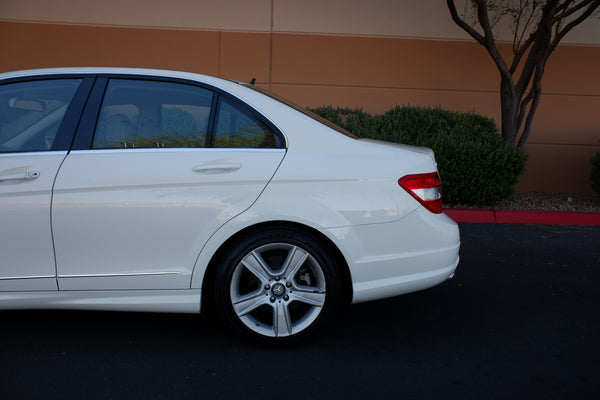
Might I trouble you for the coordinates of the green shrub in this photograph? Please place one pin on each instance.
(353, 120)
(596, 173)
(476, 166)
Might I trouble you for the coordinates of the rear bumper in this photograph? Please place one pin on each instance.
(390, 259)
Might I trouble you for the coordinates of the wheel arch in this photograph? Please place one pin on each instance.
(207, 300)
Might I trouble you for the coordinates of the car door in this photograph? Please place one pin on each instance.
(37, 120)
(136, 201)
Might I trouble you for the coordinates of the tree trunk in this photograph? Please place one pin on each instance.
(509, 103)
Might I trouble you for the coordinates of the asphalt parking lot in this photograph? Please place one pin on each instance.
(519, 320)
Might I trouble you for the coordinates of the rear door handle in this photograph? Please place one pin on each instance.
(217, 168)
(20, 176)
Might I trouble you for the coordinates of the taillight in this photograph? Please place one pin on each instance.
(425, 188)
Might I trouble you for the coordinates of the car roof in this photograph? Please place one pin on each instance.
(115, 71)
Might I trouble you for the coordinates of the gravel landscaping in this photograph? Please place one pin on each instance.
(547, 201)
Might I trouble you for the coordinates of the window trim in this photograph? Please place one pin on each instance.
(85, 133)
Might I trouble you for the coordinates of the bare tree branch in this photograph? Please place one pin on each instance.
(484, 21)
(523, 106)
(516, 37)
(540, 47)
(488, 40)
(592, 6)
(563, 6)
(537, 88)
(520, 52)
(461, 23)
(568, 12)
(546, 22)
(527, 23)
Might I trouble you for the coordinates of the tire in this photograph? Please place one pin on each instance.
(277, 286)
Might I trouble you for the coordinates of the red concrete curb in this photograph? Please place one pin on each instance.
(523, 217)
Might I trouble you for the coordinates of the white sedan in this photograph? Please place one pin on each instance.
(162, 191)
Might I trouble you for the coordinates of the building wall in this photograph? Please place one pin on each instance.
(373, 55)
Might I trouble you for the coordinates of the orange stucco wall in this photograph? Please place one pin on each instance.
(372, 72)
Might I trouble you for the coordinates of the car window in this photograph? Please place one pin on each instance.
(236, 127)
(303, 110)
(31, 113)
(146, 114)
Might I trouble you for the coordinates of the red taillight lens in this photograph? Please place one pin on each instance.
(425, 188)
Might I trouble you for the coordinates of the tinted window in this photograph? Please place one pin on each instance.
(31, 113)
(303, 110)
(142, 114)
(236, 127)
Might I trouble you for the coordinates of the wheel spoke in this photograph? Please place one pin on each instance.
(282, 320)
(294, 260)
(255, 264)
(309, 296)
(248, 302)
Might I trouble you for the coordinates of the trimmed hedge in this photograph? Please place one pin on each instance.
(596, 173)
(476, 165)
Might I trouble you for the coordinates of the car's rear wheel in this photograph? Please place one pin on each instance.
(277, 286)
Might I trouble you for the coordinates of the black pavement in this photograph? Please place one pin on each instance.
(519, 320)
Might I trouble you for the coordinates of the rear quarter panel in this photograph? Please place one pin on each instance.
(327, 181)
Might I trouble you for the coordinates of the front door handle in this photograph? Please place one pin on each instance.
(20, 176)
